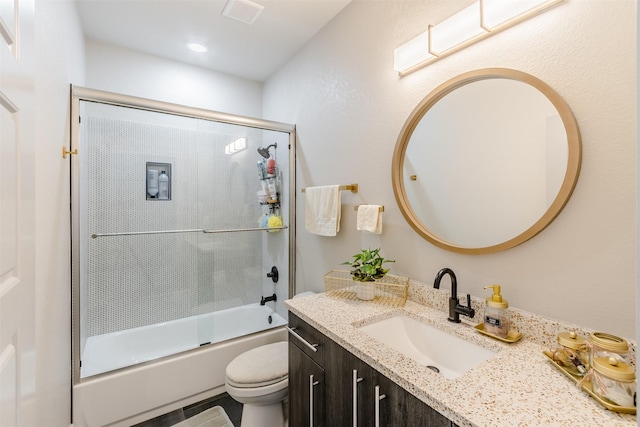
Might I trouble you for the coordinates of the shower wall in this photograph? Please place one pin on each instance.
(138, 280)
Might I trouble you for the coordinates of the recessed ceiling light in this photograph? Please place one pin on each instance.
(197, 47)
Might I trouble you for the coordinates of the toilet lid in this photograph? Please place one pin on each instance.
(260, 366)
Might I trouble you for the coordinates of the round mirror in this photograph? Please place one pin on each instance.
(486, 161)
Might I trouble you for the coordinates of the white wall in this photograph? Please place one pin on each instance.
(349, 106)
(128, 72)
(60, 61)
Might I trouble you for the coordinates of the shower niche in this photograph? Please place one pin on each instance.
(158, 181)
(172, 277)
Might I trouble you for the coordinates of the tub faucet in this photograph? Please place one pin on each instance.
(455, 308)
(265, 300)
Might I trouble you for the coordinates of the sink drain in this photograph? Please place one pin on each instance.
(434, 368)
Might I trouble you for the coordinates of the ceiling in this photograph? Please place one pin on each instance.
(162, 27)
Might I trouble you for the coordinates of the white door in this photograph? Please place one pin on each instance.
(17, 226)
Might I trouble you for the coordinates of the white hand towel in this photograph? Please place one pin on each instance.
(370, 218)
(322, 213)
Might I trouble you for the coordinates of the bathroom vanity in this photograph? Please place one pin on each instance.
(329, 386)
(516, 386)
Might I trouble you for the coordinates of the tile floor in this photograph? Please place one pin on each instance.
(231, 407)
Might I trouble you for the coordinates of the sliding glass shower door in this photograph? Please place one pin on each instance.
(170, 238)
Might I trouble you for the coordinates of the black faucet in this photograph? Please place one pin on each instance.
(455, 309)
(265, 300)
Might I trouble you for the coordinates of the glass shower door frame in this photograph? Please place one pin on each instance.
(79, 94)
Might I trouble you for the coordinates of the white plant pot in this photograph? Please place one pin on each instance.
(366, 290)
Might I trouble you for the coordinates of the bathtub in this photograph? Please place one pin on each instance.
(107, 352)
(156, 382)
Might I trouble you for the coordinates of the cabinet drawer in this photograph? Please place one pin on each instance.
(306, 337)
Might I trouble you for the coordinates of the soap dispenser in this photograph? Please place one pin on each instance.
(496, 315)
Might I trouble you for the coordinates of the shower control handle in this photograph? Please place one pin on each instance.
(274, 274)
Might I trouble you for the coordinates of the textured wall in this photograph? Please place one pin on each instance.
(349, 106)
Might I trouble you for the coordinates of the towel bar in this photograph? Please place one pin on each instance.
(351, 187)
(355, 208)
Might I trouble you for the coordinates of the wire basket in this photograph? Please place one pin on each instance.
(390, 290)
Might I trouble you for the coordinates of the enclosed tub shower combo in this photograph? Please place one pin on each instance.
(182, 238)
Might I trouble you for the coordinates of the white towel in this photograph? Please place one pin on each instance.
(322, 213)
(370, 218)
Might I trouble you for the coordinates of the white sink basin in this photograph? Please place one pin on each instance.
(427, 345)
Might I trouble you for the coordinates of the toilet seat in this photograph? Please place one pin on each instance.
(260, 395)
(260, 367)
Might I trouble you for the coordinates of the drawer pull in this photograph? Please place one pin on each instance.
(378, 398)
(312, 383)
(313, 347)
(355, 381)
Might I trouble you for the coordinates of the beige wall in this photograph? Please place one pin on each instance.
(349, 106)
(120, 70)
(59, 62)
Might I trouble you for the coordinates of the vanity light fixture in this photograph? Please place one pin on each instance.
(456, 30)
(237, 145)
(480, 20)
(197, 47)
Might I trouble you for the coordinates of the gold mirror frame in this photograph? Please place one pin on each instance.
(561, 199)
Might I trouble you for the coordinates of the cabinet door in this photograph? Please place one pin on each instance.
(397, 407)
(383, 401)
(351, 390)
(306, 390)
(339, 367)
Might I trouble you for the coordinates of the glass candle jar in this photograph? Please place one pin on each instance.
(614, 381)
(573, 353)
(607, 345)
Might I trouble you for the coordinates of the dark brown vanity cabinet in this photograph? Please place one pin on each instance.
(347, 391)
(307, 384)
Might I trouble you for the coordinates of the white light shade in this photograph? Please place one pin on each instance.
(412, 52)
(457, 29)
(197, 47)
(499, 12)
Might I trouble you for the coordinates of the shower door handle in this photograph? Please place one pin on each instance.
(312, 384)
(354, 384)
(313, 347)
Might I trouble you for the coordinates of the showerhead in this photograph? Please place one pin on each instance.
(264, 152)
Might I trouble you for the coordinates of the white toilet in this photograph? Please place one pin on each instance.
(259, 379)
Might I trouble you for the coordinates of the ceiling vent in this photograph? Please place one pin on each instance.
(242, 10)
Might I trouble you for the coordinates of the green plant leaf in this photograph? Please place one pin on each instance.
(367, 265)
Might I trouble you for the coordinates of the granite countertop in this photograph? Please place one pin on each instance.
(519, 386)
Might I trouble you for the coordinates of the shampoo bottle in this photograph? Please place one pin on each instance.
(163, 186)
(496, 315)
(152, 182)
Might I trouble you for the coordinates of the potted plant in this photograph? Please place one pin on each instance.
(366, 269)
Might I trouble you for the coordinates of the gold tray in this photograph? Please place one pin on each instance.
(512, 336)
(586, 386)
